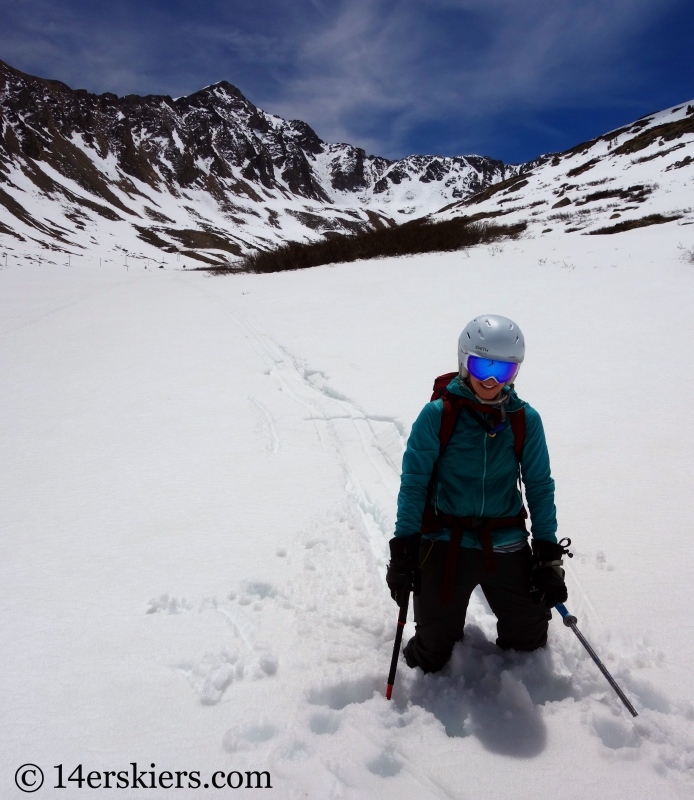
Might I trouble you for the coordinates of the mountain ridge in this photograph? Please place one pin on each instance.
(641, 174)
(208, 173)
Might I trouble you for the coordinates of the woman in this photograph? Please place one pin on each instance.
(461, 519)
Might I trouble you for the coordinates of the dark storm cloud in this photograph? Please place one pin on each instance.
(503, 77)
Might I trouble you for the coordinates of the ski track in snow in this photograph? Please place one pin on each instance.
(269, 420)
(341, 723)
(369, 448)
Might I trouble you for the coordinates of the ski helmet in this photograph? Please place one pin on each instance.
(493, 337)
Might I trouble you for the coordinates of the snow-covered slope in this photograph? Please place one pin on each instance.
(639, 175)
(209, 175)
(198, 486)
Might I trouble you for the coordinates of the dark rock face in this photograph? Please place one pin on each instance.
(347, 172)
(435, 171)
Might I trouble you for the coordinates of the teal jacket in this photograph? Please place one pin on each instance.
(477, 476)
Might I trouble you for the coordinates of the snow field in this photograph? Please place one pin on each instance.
(200, 483)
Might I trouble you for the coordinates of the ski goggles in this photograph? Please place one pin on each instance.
(484, 368)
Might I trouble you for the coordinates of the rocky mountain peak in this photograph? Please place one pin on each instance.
(216, 161)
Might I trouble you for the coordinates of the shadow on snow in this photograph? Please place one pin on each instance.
(493, 695)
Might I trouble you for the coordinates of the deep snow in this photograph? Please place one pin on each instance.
(199, 483)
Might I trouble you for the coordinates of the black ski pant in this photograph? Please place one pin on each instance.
(521, 625)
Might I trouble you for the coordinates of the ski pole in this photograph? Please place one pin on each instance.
(402, 619)
(570, 622)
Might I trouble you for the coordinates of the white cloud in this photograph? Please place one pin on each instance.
(397, 58)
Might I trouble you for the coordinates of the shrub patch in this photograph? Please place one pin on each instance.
(408, 239)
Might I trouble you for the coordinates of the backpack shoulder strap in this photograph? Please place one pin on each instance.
(451, 409)
(517, 419)
(449, 417)
(441, 385)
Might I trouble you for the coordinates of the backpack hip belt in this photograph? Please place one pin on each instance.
(483, 527)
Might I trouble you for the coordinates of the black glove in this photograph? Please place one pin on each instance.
(547, 585)
(403, 575)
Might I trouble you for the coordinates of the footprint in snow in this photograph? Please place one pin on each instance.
(166, 604)
(248, 736)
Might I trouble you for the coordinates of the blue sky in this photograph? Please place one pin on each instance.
(507, 78)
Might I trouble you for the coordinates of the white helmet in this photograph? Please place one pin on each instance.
(493, 337)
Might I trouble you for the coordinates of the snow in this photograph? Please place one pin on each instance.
(199, 484)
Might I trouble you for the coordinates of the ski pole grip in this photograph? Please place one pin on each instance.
(569, 619)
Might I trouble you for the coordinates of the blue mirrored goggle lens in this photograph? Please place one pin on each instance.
(483, 368)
